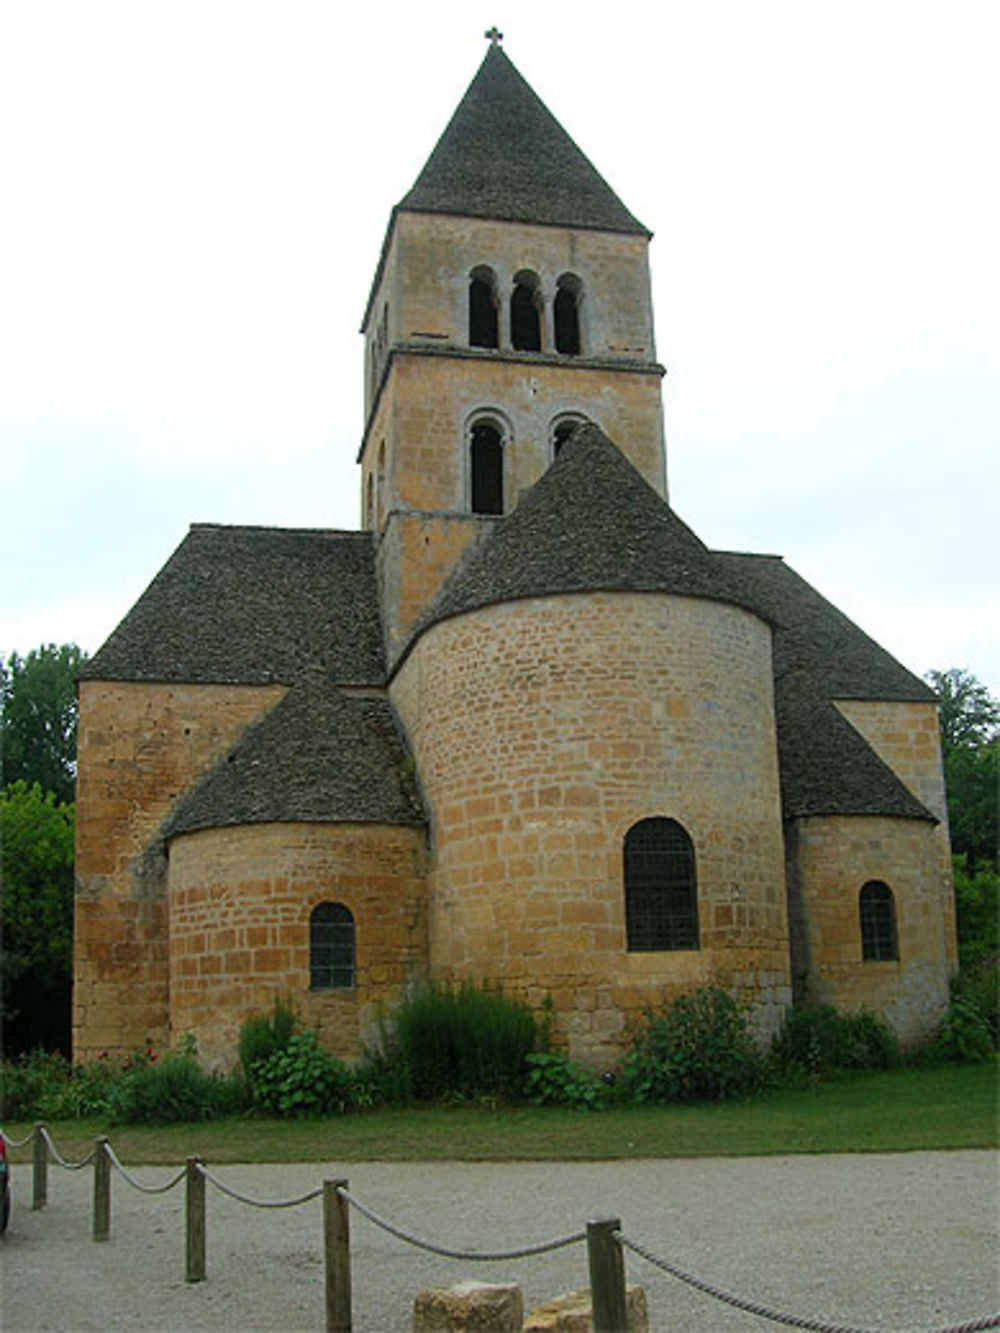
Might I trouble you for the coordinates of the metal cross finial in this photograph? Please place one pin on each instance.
(495, 36)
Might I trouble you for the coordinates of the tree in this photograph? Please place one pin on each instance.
(38, 717)
(969, 715)
(36, 917)
(970, 747)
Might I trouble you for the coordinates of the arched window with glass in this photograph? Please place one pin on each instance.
(331, 947)
(661, 888)
(877, 910)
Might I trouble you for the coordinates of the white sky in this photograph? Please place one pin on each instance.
(193, 194)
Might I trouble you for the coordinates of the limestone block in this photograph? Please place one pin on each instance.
(469, 1307)
(572, 1313)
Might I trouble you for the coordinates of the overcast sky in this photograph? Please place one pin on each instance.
(193, 194)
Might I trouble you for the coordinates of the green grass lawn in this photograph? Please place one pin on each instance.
(945, 1107)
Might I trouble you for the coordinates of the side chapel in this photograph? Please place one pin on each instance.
(523, 727)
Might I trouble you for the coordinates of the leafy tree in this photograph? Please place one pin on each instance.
(970, 746)
(36, 917)
(38, 717)
(969, 715)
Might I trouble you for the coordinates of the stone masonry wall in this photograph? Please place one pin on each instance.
(907, 737)
(240, 902)
(542, 730)
(835, 856)
(139, 747)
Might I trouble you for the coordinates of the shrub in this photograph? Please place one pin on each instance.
(964, 1035)
(25, 1083)
(817, 1039)
(555, 1080)
(175, 1090)
(467, 1042)
(698, 1048)
(300, 1079)
(262, 1035)
(978, 985)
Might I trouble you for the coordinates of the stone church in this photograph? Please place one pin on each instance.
(523, 727)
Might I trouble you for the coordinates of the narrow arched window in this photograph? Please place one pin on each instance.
(486, 468)
(380, 487)
(567, 314)
(526, 314)
(484, 321)
(331, 947)
(370, 502)
(562, 429)
(877, 909)
(661, 892)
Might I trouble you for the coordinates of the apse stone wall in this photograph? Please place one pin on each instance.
(834, 857)
(140, 746)
(240, 901)
(543, 729)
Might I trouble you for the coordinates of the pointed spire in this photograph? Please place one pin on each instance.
(504, 155)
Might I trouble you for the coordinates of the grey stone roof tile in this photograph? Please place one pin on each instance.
(319, 756)
(246, 605)
(590, 523)
(504, 155)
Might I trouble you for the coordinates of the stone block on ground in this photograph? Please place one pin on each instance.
(572, 1313)
(469, 1307)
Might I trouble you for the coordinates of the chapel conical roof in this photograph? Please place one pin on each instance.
(591, 523)
(504, 155)
(319, 756)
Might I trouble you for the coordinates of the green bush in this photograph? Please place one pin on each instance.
(301, 1079)
(978, 985)
(263, 1035)
(172, 1091)
(26, 1082)
(698, 1048)
(555, 1080)
(818, 1039)
(466, 1042)
(964, 1035)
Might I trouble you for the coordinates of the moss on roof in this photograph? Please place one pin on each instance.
(245, 605)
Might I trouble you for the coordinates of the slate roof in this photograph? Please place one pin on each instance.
(811, 633)
(827, 767)
(504, 155)
(246, 605)
(590, 523)
(319, 756)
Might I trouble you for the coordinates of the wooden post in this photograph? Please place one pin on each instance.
(607, 1276)
(337, 1247)
(195, 1221)
(40, 1168)
(102, 1190)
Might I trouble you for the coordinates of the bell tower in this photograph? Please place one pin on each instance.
(511, 302)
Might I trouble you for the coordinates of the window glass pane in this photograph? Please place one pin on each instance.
(661, 901)
(331, 947)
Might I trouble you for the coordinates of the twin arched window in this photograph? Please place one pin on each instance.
(331, 947)
(527, 312)
(877, 909)
(661, 888)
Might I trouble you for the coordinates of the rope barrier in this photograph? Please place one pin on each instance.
(260, 1203)
(58, 1158)
(776, 1316)
(136, 1184)
(480, 1255)
(17, 1143)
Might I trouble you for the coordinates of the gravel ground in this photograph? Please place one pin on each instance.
(886, 1241)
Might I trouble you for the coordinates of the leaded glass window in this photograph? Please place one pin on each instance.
(331, 947)
(878, 922)
(661, 892)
